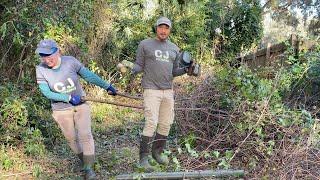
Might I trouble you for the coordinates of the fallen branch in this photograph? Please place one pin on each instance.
(183, 175)
(16, 174)
(130, 96)
(110, 102)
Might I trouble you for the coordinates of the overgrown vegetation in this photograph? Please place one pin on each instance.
(236, 119)
(268, 126)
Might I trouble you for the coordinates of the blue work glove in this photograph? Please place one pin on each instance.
(111, 90)
(75, 100)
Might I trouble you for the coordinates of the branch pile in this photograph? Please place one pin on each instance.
(259, 143)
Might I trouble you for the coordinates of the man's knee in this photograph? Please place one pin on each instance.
(149, 128)
(70, 137)
(164, 129)
(85, 137)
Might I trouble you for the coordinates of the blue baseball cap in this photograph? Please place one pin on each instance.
(46, 47)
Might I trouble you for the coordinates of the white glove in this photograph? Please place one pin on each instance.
(122, 68)
(128, 64)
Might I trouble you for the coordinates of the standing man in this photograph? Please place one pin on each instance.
(157, 59)
(58, 80)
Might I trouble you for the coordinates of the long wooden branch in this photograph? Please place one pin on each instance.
(16, 174)
(110, 102)
(220, 113)
(129, 96)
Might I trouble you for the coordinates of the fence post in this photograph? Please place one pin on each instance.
(294, 42)
(254, 57)
(268, 54)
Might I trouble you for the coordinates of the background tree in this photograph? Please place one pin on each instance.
(233, 26)
(289, 10)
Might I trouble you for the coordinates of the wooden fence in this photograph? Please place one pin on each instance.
(272, 56)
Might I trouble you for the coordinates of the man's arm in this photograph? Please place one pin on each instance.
(140, 61)
(93, 78)
(177, 71)
(45, 90)
(137, 67)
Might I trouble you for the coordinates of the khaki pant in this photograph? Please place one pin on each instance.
(75, 124)
(158, 111)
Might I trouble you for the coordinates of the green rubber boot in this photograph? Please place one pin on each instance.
(157, 149)
(88, 161)
(144, 153)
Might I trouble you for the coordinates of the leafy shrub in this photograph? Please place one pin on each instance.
(14, 117)
(5, 160)
(33, 143)
(234, 26)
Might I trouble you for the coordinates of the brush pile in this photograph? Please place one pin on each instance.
(258, 136)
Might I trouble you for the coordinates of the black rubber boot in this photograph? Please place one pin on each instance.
(88, 161)
(144, 153)
(79, 166)
(80, 156)
(157, 149)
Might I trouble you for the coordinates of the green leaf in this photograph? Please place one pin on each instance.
(216, 154)
(3, 30)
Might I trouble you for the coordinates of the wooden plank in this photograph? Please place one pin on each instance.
(281, 47)
(268, 51)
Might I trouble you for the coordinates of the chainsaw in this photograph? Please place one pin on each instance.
(186, 61)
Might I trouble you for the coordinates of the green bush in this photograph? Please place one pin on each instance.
(5, 160)
(33, 143)
(14, 117)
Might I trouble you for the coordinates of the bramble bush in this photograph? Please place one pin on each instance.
(255, 123)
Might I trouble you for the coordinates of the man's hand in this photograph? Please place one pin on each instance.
(111, 90)
(122, 68)
(75, 100)
(124, 65)
(193, 70)
(127, 64)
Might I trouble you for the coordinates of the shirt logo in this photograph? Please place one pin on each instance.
(62, 88)
(162, 56)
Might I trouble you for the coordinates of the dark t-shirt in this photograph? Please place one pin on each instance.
(158, 61)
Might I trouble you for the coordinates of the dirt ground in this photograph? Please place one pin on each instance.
(116, 153)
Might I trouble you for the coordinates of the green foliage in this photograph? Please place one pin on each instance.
(14, 114)
(245, 85)
(36, 170)
(24, 23)
(234, 26)
(192, 152)
(129, 27)
(189, 28)
(313, 73)
(225, 161)
(189, 140)
(290, 13)
(5, 160)
(256, 102)
(263, 114)
(33, 140)
(14, 117)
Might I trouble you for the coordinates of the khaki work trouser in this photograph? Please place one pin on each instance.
(75, 124)
(158, 111)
